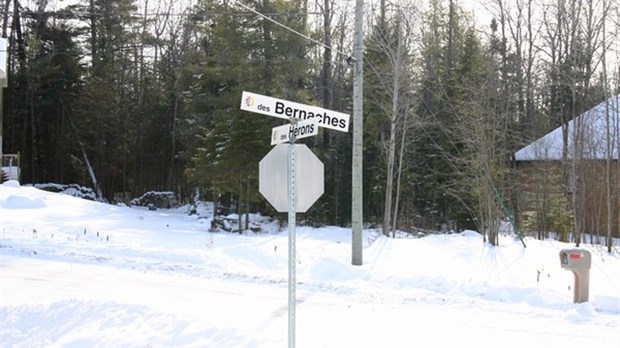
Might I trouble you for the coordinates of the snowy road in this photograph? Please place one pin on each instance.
(75, 273)
(89, 304)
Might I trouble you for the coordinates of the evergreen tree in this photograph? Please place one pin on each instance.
(239, 52)
(436, 176)
(389, 90)
(43, 99)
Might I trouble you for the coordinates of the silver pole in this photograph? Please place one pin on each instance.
(358, 126)
(291, 244)
(1, 124)
(4, 77)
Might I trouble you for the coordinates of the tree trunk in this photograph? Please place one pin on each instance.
(247, 204)
(608, 140)
(397, 68)
(399, 173)
(5, 17)
(89, 168)
(93, 38)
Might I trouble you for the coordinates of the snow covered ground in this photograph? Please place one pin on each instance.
(77, 273)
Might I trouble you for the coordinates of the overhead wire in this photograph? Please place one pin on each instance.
(289, 28)
(267, 17)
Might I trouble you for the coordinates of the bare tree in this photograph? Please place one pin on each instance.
(517, 50)
(480, 131)
(569, 67)
(409, 121)
(396, 60)
(392, 43)
(611, 129)
(5, 16)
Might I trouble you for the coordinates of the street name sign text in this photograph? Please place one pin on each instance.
(302, 129)
(285, 109)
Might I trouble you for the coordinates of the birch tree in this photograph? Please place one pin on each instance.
(391, 59)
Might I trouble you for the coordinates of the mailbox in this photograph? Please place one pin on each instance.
(579, 262)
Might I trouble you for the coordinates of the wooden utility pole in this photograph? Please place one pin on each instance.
(4, 75)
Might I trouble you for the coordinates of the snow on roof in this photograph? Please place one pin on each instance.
(592, 129)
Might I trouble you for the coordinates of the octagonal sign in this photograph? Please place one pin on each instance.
(273, 178)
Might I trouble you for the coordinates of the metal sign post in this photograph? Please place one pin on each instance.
(304, 122)
(291, 243)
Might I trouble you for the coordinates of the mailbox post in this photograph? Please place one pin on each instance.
(579, 262)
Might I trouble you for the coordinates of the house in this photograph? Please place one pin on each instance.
(560, 181)
(10, 169)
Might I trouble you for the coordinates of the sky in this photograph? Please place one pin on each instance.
(77, 273)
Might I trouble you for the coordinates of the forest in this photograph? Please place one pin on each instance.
(132, 96)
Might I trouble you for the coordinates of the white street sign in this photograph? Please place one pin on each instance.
(302, 129)
(280, 108)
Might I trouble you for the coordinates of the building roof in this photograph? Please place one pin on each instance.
(591, 129)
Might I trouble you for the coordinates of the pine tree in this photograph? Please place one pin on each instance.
(240, 52)
(43, 99)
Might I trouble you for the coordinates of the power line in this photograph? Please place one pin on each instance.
(69, 13)
(267, 16)
(289, 28)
